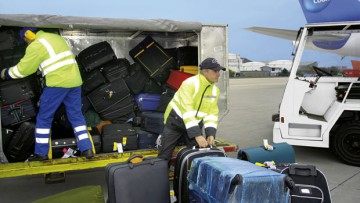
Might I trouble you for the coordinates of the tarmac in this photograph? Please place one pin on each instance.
(252, 101)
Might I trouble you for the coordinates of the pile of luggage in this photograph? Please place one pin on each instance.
(123, 103)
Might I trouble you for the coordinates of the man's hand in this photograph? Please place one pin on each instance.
(3, 73)
(201, 141)
(211, 141)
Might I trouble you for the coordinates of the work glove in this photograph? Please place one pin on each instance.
(3, 73)
(201, 141)
(211, 141)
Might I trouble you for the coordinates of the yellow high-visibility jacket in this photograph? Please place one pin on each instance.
(196, 101)
(52, 56)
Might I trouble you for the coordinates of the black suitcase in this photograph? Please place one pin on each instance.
(107, 95)
(18, 112)
(7, 135)
(119, 133)
(310, 184)
(152, 121)
(59, 146)
(136, 79)
(146, 181)
(96, 55)
(120, 109)
(93, 80)
(146, 140)
(11, 57)
(8, 39)
(183, 161)
(187, 56)
(12, 91)
(22, 144)
(153, 87)
(153, 58)
(165, 99)
(116, 69)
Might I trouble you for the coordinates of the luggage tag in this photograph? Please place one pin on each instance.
(118, 147)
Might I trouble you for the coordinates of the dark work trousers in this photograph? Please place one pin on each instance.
(173, 131)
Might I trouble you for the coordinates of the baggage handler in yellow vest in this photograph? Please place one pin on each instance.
(193, 106)
(51, 54)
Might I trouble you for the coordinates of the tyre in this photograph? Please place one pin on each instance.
(346, 143)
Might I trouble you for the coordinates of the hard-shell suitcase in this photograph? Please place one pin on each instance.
(93, 80)
(146, 140)
(146, 181)
(147, 102)
(152, 121)
(59, 146)
(280, 154)
(183, 161)
(223, 179)
(193, 70)
(120, 109)
(114, 134)
(310, 184)
(12, 91)
(136, 79)
(176, 78)
(22, 144)
(153, 58)
(116, 69)
(18, 112)
(96, 55)
(107, 95)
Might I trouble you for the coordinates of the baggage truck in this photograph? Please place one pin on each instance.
(320, 107)
(209, 40)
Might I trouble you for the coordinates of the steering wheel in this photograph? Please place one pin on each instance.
(321, 72)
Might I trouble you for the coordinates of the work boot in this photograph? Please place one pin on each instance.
(37, 157)
(87, 153)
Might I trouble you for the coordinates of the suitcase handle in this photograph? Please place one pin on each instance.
(136, 158)
(302, 170)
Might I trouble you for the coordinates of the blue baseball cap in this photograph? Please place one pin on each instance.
(211, 63)
(22, 33)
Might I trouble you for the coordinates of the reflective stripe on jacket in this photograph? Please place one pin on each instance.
(196, 101)
(52, 56)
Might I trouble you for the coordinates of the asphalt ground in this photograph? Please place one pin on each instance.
(248, 122)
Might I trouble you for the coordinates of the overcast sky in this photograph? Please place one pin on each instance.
(237, 14)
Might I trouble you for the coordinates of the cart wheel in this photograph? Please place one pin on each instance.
(51, 178)
(346, 143)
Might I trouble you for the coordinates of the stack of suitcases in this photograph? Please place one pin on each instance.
(115, 91)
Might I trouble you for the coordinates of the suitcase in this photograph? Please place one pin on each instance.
(152, 87)
(119, 133)
(18, 112)
(93, 80)
(146, 140)
(11, 57)
(193, 70)
(183, 162)
(96, 55)
(176, 78)
(147, 102)
(122, 108)
(341, 91)
(12, 91)
(281, 153)
(146, 181)
(187, 56)
(223, 179)
(165, 99)
(136, 79)
(116, 69)
(59, 146)
(7, 135)
(310, 184)
(8, 39)
(153, 58)
(22, 143)
(152, 121)
(107, 95)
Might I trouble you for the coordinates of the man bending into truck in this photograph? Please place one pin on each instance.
(193, 106)
(50, 54)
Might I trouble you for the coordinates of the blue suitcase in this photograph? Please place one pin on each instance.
(281, 153)
(147, 102)
(146, 140)
(222, 179)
